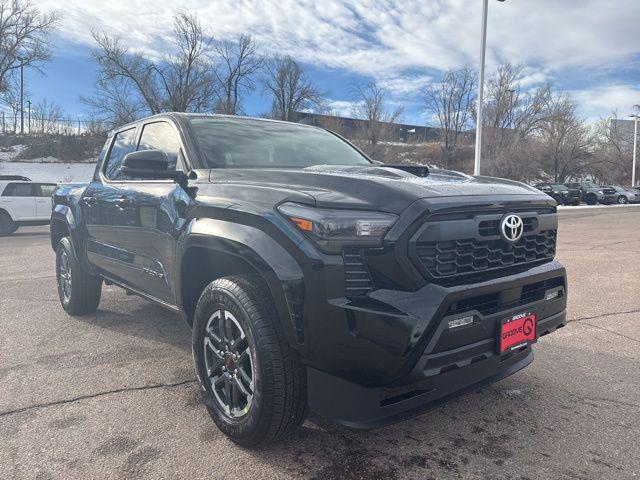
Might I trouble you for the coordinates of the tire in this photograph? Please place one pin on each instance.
(558, 200)
(591, 199)
(265, 365)
(622, 200)
(7, 225)
(79, 291)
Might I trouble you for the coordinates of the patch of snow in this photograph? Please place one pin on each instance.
(59, 172)
(9, 153)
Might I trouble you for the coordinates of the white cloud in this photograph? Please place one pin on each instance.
(400, 43)
(343, 108)
(372, 37)
(601, 101)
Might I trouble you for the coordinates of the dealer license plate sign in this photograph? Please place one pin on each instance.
(517, 331)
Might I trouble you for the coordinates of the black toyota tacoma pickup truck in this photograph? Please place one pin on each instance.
(311, 276)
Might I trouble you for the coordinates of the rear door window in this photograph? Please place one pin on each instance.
(123, 143)
(44, 189)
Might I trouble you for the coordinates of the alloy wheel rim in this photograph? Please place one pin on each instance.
(229, 366)
(64, 277)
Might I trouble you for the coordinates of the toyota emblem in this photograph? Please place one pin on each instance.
(511, 228)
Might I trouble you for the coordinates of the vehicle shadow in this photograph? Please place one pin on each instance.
(136, 317)
(30, 232)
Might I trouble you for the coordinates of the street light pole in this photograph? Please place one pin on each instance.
(483, 45)
(635, 148)
(21, 96)
(29, 117)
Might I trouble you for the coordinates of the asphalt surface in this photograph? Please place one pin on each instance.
(113, 395)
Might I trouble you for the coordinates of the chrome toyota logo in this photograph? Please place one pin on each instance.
(511, 228)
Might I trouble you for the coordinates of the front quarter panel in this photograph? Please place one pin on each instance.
(277, 267)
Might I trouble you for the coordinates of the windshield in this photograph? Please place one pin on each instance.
(559, 186)
(242, 143)
(590, 185)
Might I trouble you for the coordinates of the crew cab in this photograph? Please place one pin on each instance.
(561, 193)
(593, 194)
(311, 276)
(23, 203)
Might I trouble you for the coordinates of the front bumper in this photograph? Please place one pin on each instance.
(389, 379)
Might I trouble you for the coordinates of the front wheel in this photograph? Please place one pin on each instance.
(622, 199)
(253, 383)
(79, 291)
(591, 199)
(7, 225)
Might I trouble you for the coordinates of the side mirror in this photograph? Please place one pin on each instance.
(146, 160)
(153, 165)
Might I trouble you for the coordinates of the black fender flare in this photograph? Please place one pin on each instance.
(65, 215)
(280, 272)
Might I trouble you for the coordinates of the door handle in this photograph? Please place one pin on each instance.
(89, 201)
(123, 202)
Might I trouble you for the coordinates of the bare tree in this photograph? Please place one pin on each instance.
(181, 81)
(114, 103)
(451, 102)
(290, 90)
(239, 63)
(24, 36)
(613, 146)
(47, 117)
(379, 122)
(511, 116)
(11, 98)
(565, 140)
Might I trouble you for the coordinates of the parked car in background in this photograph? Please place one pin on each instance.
(626, 195)
(593, 194)
(23, 202)
(562, 194)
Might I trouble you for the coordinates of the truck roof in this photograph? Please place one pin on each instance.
(184, 116)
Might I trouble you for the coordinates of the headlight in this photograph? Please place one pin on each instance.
(331, 230)
(600, 192)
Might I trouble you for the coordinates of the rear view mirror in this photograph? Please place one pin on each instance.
(153, 165)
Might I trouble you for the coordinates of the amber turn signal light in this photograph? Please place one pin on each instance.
(304, 225)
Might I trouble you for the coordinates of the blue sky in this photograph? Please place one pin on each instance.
(590, 48)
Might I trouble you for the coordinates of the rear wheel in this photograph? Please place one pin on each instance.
(622, 199)
(79, 291)
(7, 225)
(254, 384)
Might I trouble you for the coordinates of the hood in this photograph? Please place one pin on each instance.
(369, 187)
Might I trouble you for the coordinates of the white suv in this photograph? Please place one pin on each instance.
(23, 202)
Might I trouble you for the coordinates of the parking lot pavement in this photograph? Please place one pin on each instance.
(113, 395)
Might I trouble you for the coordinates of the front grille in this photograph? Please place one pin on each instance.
(456, 258)
(356, 275)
